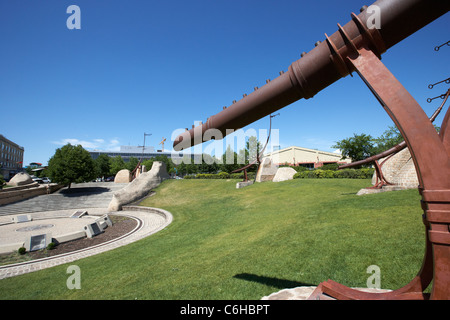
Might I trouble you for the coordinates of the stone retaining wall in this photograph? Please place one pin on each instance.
(14, 194)
(399, 170)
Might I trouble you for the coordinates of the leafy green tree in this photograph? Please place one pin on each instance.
(132, 163)
(253, 147)
(103, 165)
(209, 164)
(181, 169)
(230, 161)
(28, 170)
(192, 168)
(358, 147)
(148, 164)
(391, 137)
(117, 164)
(71, 164)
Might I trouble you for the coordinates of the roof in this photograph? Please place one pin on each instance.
(304, 149)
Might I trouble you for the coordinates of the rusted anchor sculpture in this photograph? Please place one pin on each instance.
(356, 47)
(380, 179)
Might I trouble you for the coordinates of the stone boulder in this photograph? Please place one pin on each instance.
(139, 187)
(123, 176)
(266, 171)
(21, 179)
(284, 173)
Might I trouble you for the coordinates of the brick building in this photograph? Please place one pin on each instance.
(11, 158)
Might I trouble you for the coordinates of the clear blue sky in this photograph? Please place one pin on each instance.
(149, 66)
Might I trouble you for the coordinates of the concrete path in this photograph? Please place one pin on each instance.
(79, 196)
(93, 197)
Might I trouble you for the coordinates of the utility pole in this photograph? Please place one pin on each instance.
(143, 146)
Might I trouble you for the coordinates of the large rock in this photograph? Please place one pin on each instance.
(139, 187)
(123, 176)
(266, 171)
(284, 173)
(20, 179)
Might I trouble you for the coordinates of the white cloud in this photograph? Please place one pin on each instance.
(95, 144)
(114, 145)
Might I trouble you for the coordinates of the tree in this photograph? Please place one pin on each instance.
(181, 169)
(230, 160)
(132, 164)
(209, 164)
(391, 137)
(148, 164)
(103, 165)
(71, 164)
(253, 149)
(357, 147)
(117, 164)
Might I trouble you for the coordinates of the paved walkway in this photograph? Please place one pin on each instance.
(81, 195)
(149, 221)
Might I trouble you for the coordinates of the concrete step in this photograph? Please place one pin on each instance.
(79, 196)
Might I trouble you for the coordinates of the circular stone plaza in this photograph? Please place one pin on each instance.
(69, 215)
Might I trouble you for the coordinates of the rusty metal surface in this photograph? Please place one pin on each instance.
(380, 179)
(315, 70)
(355, 47)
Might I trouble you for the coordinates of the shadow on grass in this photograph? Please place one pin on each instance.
(273, 282)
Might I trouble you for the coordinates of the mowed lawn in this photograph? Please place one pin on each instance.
(228, 243)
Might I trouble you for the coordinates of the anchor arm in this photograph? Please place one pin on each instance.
(322, 66)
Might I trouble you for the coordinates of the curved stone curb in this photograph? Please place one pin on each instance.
(150, 221)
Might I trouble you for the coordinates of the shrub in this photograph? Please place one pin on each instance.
(330, 166)
(223, 175)
(22, 250)
(51, 246)
(364, 173)
(237, 175)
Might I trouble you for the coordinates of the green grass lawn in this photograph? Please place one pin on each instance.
(228, 243)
